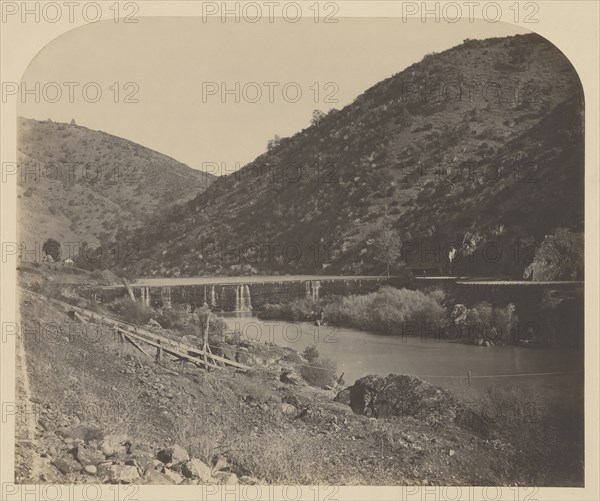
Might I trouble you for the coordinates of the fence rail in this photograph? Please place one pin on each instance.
(131, 333)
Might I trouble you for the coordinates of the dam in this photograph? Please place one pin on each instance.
(241, 293)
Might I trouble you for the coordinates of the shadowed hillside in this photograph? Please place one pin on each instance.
(77, 184)
(481, 143)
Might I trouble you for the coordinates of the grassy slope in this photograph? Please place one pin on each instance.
(105, 182)
(370, 156)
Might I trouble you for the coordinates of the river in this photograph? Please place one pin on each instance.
(359, 353)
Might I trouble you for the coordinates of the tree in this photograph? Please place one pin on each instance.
(311, 353)
(404, 119)
(272, 143)
(317, 116)
(73, 122)
(388, 247)
(52, 248)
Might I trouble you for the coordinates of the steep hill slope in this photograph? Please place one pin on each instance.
(480, 144)
(76, 184)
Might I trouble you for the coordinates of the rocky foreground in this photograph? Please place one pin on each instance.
(84, 454)
(106, 413)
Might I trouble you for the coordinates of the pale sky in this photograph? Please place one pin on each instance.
(172, 59)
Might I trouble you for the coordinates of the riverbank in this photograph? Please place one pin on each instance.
(440, 315)
(260, 426)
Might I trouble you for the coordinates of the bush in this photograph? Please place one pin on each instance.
(387, 310)
(131, 311)
(495, 324)
(311, 353)
(189, 324)
(305, 309)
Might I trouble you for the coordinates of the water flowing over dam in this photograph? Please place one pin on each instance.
(243, 302)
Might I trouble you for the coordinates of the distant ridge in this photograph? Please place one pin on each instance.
(91, 183)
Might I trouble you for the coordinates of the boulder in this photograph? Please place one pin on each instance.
(397, 396)
(91, 469)
(143, 462)
(394, 395)
(247, 480)
(173, 476)
(174, 454)
(155, 477)
(82, 432)
(113, 445)
(88, 456)
(226, 351)
(289, 377)
(154, 323)
(220, 463)
(119, 473)
(343, 397)
(196, 469)
(291, 399)
(66, 464)
(288, 409)
(226, 478)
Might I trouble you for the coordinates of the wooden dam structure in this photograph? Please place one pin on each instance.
(239, 293)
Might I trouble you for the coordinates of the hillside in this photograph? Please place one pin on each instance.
(480, 144)
(76, 184)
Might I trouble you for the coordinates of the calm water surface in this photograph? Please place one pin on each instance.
(359, 353)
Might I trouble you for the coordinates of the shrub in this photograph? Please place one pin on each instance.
(131, 311)
(293, 311)
(490, 323)
(188, 323)
(311, 353)
(387, 310)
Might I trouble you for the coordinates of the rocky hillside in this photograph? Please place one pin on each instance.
(77, 184)
(480, 143)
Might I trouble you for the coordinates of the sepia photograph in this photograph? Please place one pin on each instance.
(270, 244)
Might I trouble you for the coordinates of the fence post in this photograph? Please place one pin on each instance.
(159, 352)
(205, 341)
(469, 377)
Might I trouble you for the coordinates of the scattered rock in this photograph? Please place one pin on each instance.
(291, 399)
(174, 454)
(155, 477)
(226, 478)
(119, 473)
(83, 432)
(451, 452)
(144, 463)
(247, 480)
(175, 477)
(196, 469)
(88, 456)
(114, 444)
(91, 469)
(290, 377)
(154, 323)
(343, 397)
(220, 463)
(288, 409)
(66, 464)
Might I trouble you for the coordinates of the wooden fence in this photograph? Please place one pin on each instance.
(138, 337)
